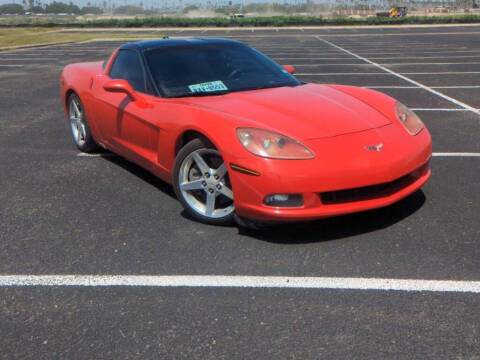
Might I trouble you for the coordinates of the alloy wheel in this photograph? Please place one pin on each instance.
(205, 185)
(77, 123)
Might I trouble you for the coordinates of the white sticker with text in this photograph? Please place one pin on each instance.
(208, 87)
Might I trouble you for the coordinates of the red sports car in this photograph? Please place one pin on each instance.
(238, 136)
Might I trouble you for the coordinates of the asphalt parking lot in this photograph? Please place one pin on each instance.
(65, 214)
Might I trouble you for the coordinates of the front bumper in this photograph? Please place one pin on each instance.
(343, 178)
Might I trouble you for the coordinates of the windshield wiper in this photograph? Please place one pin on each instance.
(266, 87)
(192, 94)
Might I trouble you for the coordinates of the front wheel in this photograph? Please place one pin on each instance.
(202, 185)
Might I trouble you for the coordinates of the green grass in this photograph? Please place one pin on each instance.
(277, 21)
(9, 31)
(38, 37)
(26, 21)
(290, 20)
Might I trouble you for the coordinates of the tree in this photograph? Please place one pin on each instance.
(62, 8)
(36, 9)
(128, 10)
(465, 4)
(189, 8)
(12, 9)
(91, 10)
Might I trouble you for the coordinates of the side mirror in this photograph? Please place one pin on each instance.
(289, 68)
(121, 86)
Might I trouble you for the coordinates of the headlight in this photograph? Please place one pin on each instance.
(272, 145)
(408, 119)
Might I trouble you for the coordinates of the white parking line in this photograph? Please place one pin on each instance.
(293, 57)
(304, 53)
(438, 154)
(426, 57)
(337, 52)
(416, 87)
(439, 109)
(402, 73)
(32, 54)
(429, 89)
(424, 52)
(456, 154)
(238, 281)
(332, 64)
(391, 64)
(406, 34)
(2, 65)
(378, 48)
(431, 64)
(441, 73)
(78, 48)
(29, 59)
(392, 87)
(457, 87)
(313, 58)
(107, 154)
(393, 47)
(341, 74)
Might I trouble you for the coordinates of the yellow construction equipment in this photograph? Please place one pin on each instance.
(398, 11)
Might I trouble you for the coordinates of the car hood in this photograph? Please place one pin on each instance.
(303, 112)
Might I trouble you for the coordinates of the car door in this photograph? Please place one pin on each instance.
(127, 126)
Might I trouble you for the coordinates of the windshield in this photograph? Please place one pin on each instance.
(210, 69)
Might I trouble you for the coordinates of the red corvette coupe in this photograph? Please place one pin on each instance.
(237, 135)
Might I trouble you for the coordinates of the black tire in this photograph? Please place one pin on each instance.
(190, 148)
(87, 143)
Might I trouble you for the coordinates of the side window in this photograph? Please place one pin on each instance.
(127, 66)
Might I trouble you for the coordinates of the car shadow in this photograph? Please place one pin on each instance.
(138, 171)
(340, 226)
(302, 232)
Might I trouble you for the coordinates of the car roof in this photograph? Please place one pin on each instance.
(169, 43)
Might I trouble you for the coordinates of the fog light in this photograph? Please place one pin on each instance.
(284, 200)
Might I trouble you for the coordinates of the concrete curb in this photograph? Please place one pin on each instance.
(273, 28)
(19, 47)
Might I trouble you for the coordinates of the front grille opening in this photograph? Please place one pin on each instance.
(372, 191)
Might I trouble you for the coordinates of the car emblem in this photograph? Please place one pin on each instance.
(376, 148)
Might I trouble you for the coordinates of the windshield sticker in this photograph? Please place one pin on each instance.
(208, 87)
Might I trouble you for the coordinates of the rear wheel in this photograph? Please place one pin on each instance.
(201, 183)
(79, 124)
